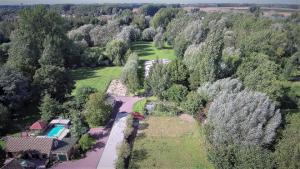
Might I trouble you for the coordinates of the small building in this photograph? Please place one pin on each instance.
(38, 127)
(64, 149)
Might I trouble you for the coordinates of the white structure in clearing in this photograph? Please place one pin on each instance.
(149, 64)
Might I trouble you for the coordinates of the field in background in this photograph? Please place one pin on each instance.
(169, 142)
(147, 51)
(98, 78)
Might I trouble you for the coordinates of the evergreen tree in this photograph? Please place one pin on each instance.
(49, 108)
(77, 128)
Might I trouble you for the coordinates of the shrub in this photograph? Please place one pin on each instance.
(86, 142)
(176, 93)
(123, 156)
(192, 103)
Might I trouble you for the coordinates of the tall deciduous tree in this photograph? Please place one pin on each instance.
(54, 81)
(4, 114)
(116, 51)
(97, 110)
(244, 118)
(130, 73)
(14, 88)
(158, 80)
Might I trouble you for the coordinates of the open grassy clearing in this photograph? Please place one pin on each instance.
(147, 51)
(98, 78)
(170, 143)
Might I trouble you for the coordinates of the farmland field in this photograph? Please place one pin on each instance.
(98, 78)
(170, 143)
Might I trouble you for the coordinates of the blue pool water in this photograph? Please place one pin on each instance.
(55, 131)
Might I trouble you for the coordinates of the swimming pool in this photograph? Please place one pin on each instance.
(55, 131)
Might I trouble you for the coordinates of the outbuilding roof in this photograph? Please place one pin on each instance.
(60, 121)
(38, 125)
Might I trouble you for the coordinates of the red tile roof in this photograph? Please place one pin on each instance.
(21, 144)
(39, 125)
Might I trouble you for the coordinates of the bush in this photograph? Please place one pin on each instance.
(164, 108)
(192, 103)
(98, 110)
(123, 156)
(86, 142)
(176, 93)
(129, 127)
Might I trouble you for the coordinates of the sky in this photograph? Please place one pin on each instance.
(18, 2)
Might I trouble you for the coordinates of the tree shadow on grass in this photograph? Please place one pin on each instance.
(85, 73)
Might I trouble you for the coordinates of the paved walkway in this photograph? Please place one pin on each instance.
(110, 153)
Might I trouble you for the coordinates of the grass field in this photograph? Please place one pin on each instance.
(170, 143)
(98, 78)
(147, 51)
(139, 106)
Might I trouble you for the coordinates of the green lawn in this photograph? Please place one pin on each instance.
(139, 106)
(147, 51)
(98, 78)
(170, 143)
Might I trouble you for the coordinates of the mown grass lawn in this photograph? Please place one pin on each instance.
(170, 143)
(139, 106)
(147, 51)
(98, 78)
